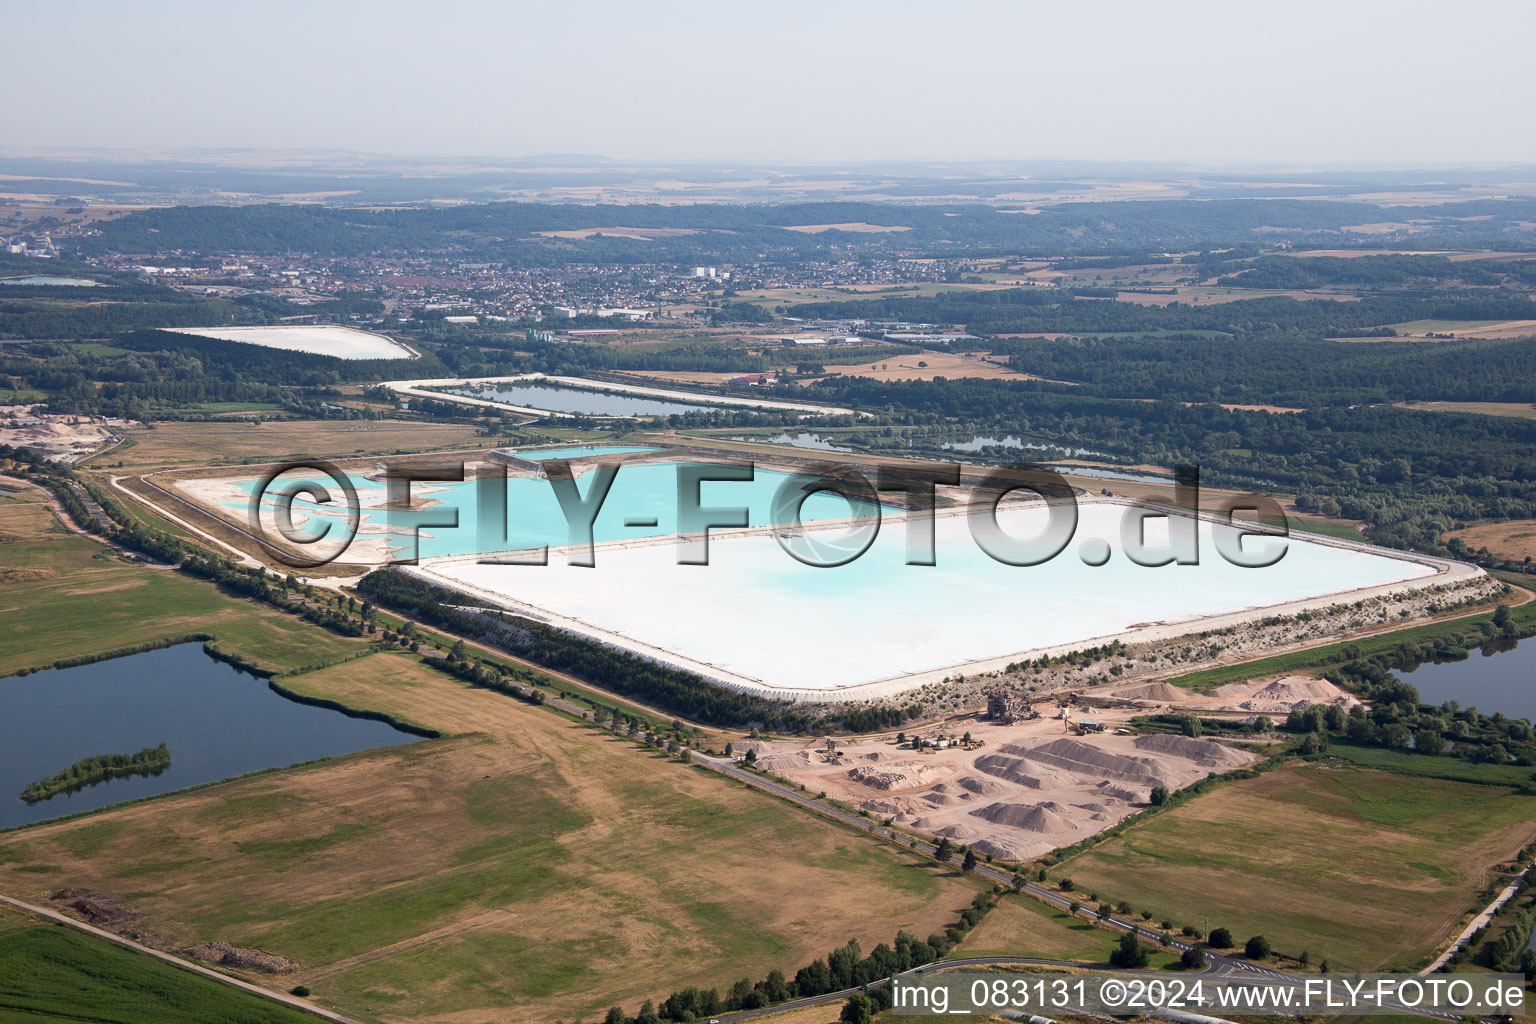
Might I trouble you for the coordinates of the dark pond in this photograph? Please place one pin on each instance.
(217, 721)
(1500, 676)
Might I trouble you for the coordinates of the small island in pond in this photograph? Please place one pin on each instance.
(149, 761)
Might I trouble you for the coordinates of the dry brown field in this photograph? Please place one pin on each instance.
(528, 868)
(223, 443)
(1524, 410)
(1515, 539)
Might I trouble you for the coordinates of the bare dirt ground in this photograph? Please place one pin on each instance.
(58, 437)
(1018, 791)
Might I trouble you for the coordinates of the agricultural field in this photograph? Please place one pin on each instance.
(1369, 869)
(1461, 329)
(920, 366)
(1524, 410)
(928, 365)
(63, 595)
(404, 881)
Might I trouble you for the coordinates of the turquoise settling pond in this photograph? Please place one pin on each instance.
(642, 502)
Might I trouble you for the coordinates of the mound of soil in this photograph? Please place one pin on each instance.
(1095, 762)
(938, 799)
(980, 786)
(898, 775)
(1014, 769)
(1282, 695)
(1049, 818)
(236, 956)
(1205, 753)
(96, 908)
(1300, 688)
(1163, 693)
(1130, 796)
(964, 833)
(785, 762)
(890, 806)
(1004, 848)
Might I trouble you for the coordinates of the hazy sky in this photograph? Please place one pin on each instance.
(1294, 83)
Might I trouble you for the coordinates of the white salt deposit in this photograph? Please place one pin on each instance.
(756, 619)
(319, 340)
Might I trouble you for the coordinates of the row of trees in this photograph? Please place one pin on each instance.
(611, 668)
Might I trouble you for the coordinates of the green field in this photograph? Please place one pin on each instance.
(64, 595)
(1457, 769)
(1364, 868)
(53, 973)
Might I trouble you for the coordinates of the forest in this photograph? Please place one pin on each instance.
(508, 231)
(1040, 310)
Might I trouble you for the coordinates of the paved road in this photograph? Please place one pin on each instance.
(1480, 921)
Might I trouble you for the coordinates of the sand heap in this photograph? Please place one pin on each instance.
(1281, 696)
(1155, 693)
(786, 762)
(980, 786)
(899, 775)
(1205, 753)
(1048, 818)
(239, 956)
(1086, 759)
